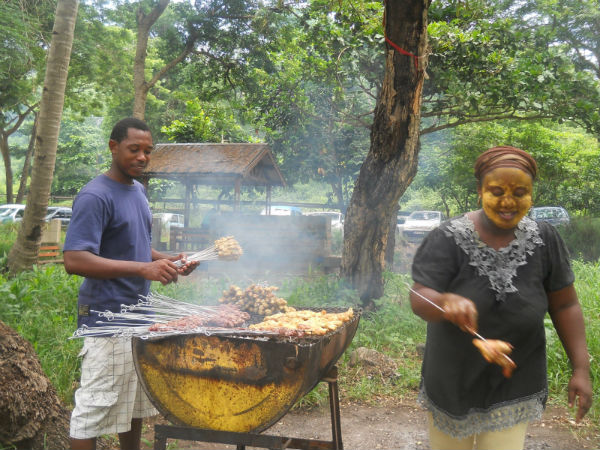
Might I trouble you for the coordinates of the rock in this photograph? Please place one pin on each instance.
(373, 363)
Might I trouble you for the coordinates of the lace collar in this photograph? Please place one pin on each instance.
(499, 266)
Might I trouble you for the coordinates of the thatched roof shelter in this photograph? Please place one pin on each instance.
(209, 164)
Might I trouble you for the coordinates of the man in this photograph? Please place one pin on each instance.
(109, 243)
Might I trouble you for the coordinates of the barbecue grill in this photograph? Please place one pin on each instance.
(226, 388)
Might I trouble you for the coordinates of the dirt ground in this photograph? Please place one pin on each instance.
(397, 426)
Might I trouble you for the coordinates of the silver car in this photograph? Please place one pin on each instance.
(11, 212)
(555, 215)
(420, 223)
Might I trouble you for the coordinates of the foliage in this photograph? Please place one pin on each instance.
(41, 306)
(8, 235)
(206, 122)
(582, 237)
(82, 154)
(567, 170)
(488, 62)
(24, 25)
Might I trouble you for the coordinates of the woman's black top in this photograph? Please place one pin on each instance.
(466, 394)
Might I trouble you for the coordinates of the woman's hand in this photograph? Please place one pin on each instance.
(460, 311)
(580, 392)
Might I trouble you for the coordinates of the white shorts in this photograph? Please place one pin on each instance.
(110, 394)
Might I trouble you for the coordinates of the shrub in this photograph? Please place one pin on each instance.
(8, 235)
(582, 237)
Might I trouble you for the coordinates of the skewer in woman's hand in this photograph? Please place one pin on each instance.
(460, 311)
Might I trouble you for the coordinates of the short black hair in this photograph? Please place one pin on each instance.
(119, 131)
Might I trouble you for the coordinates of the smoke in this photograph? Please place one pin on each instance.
(283, 244)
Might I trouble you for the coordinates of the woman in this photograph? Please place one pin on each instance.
(495, 273)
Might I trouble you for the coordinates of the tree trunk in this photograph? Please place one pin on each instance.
(391, 163)
(27, 163)
(8, 173)
(391, 242)
(31, 414)
(5, 150)
(24, 252)
(140, 86)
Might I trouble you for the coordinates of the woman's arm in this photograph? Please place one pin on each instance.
(456, 309)
(567, 317)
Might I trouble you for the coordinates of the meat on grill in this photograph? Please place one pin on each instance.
(225, 316)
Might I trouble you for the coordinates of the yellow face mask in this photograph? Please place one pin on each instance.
(506, 196)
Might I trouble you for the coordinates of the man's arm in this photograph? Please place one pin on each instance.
(89, 265)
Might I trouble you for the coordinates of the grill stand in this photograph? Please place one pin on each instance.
(241, 440)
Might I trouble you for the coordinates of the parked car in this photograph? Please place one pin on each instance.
(337, 218)
(402, 216)
(555, 215)
(61, 213)
(169, 220)
(420, 223)
(11, 212)
(282, 210)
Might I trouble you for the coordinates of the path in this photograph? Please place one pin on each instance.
(400, 426)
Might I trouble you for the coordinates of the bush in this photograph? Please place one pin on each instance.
(8, 236)
(582, 237)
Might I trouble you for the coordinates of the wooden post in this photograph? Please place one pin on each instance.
(188, 196)
(236, 202)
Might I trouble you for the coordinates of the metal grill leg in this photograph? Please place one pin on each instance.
(160, 440)
(334, 406)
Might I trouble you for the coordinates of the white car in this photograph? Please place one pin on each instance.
(337, 218)
(169, 220)
(402, 215)
(11, 212)
(281, 210)
(62, 213)
(420, 223)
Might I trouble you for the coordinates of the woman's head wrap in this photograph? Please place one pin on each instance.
(504, 156)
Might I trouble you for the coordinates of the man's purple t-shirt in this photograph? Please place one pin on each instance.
(111, 220)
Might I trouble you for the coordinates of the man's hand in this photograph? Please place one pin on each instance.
(161, 270)
(188, 266)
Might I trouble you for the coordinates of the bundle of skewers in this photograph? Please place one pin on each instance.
(158, 315)
(225, 248)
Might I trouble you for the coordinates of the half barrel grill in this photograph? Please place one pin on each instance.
(230, 388)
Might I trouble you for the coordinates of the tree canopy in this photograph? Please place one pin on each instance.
(303, 76)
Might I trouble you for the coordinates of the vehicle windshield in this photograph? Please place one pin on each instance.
(423, 215)
(333, 215)
(548, 213)
(6, 211)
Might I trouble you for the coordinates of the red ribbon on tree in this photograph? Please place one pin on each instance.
(404, 52)
(396, 46)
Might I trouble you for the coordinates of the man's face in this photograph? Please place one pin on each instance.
(506, 196)
(132, 154)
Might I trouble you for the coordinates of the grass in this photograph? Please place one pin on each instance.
(41, 306)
